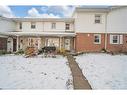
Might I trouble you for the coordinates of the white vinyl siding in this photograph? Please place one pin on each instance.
(116, 39)
(97, 38)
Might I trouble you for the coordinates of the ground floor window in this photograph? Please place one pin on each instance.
(52, 42)
(34, 42)
(116, 39)
(97, 38)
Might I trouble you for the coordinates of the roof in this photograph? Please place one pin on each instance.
(97, 8)
(44, 19)
(5, 18)
(37, 34)
(93, 9)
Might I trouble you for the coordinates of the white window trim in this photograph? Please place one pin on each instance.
(53, 25)
(120, 39)
(66, 26)
(33, 23)
(100, 18)
(20, 25)
(99, 35)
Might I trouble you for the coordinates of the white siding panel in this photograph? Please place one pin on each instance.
(45, 27)
(117, 21)
(7, 25)
(85, 22)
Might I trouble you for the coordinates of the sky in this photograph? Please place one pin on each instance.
(36, 11)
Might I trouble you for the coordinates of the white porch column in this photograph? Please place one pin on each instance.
(60, 42)
(17, 48)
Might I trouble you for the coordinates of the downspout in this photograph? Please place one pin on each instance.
(105, 32)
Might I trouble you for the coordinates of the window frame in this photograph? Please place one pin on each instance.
(97, 17)
(20, 25)
(115, 39)
(53, 26)
(33, 25)
(67, 26)
(119, 39)
(99, 38)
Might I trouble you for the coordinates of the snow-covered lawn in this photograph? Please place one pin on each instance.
(17, 72)
(104, 71)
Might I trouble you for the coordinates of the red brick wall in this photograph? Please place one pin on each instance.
(3, 44)
(117, 47)
(85, 43)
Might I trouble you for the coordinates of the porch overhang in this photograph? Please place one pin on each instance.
(38, 34)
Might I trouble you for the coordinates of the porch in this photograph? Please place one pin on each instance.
(20, 41)
(66, 43)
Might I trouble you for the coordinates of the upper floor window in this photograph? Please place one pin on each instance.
(97, 18)
(33, 25)
(53, 26)
(67, 27)
(20, 25)
(97, 38)
(116, 39)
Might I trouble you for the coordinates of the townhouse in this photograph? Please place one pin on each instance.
(101, 28)
(90, 29)
(39, 32)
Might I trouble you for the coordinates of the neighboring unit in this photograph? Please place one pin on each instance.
(101, 28)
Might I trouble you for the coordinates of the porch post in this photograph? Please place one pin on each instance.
(60, 42)
(17, 43)
(74, 43)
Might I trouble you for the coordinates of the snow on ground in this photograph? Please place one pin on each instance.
(104, 71)
(17, 72)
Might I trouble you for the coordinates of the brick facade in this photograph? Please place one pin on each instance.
(85, 43)
(117, 47)
(3, 43)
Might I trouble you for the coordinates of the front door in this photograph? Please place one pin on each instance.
(67, 44)
(14, 45)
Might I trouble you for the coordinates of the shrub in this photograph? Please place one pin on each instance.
(104, 50)
(2, 52)
(19, 52)
(40, 51)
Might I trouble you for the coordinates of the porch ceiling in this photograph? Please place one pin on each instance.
(38, 34)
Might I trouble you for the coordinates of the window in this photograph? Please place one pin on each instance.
(67, 26)
(98, 18)
(53, 26)
(20, 25)
(30, 42)
(97, 39)
(116, 39)
(33, 25)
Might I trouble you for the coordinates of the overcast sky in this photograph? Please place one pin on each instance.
(36, 11)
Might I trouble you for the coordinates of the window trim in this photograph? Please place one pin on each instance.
(119, 39)
(66, 26)
(33, 24)
(99, 35)
(99, 18)
(20, 25)
(53, 25)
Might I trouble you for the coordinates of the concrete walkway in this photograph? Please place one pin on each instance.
(79, 81)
